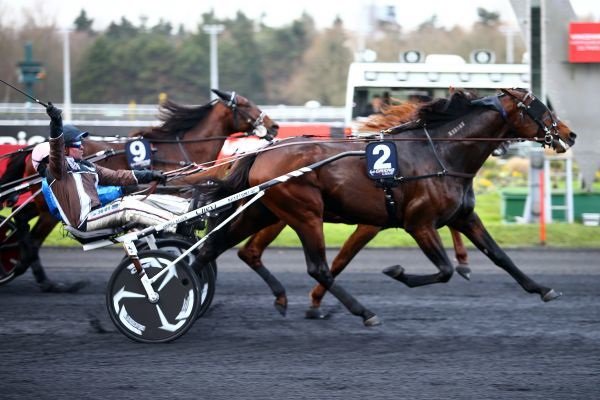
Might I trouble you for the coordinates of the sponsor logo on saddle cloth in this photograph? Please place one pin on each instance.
(382, 160)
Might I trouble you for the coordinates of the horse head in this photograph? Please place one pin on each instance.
(531, 118)
(253, 120)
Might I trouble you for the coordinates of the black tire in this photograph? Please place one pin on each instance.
(10, 253)
(174, 313)
(176, 246)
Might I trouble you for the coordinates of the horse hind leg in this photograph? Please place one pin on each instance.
(430, 242)
(460, 253)
(358, 240)
(42, 228)
(251, 253)
(473, 228)
(313, 242)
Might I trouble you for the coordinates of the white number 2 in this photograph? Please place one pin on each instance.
(385, 155)
(138, 151)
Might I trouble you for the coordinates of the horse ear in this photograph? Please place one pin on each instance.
(223, 95)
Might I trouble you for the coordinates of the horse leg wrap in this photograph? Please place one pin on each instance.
(276, 286)
(347, 299)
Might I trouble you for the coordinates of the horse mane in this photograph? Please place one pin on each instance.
(440, 111)
(15, 167)
(392, 115)
(176, 118)
(435, 112)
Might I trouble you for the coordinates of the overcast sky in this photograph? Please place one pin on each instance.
(410, 13)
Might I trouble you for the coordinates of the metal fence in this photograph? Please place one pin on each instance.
(134, 113)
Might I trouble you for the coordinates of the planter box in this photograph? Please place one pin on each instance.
(513, 205)
(591, 219)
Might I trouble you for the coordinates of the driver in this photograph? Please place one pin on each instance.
(73, 185)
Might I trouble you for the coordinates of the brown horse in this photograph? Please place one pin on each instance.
(436, 164)
(252, 250)
(186, 135)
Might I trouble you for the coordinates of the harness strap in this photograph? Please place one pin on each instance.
(390, 204)
(172, 162)
(183, 150)
(443, 172)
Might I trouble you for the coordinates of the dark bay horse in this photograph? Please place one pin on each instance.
(187, 134)
(252, 250)
(436, 165)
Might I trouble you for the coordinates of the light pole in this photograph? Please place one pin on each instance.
(66, 76)
(213, 31)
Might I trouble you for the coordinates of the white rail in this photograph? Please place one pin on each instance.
(144, 112)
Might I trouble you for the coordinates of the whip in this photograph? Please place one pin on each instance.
(28, 95)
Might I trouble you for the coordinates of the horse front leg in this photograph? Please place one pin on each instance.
(430, 242)
(362, 235)
(460, 253)
(310, 232)
(27, 250)
(251, 253)
(473, 228)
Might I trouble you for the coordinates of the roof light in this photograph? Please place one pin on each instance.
(412, 56)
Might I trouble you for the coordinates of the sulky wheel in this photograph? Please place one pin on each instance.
(10, 254)
(176, 244)
(167, 319)
(207, 276)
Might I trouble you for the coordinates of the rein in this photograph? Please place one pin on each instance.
(174, 141)
(21, 150)
(205, 167)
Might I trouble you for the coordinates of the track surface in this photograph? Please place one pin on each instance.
(483, 339)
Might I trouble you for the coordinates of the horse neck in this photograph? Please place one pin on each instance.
(468, 156)
(217, 126)
(15, 167)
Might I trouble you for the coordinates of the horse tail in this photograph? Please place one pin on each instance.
(238, 177)
(214, 189)
(15, 167)
(211, 191)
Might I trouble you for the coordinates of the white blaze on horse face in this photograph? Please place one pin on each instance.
(456, 129)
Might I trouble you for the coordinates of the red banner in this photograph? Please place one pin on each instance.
(584, 42)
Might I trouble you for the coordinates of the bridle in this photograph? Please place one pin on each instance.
(257, 124)
(539, 113)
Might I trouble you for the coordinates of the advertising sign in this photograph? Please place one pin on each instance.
(584, 42)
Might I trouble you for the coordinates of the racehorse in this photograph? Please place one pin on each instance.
(186, 134)
(252, 250)
(431, 187)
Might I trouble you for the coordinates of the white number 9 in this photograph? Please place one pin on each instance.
(137, 150)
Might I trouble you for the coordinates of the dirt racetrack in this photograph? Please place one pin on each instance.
(483, 339)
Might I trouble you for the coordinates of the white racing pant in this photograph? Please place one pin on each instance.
(155, 209)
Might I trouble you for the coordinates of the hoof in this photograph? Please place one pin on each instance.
(315, 313)
(464, 271)
(394, 271)
(281, 308)
(551, 295)
(373, 321)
